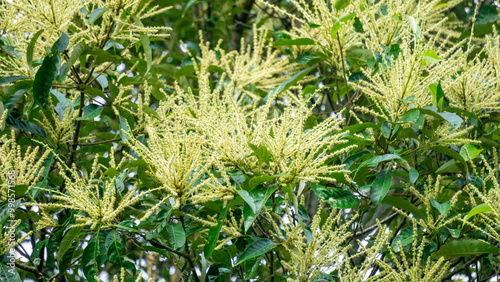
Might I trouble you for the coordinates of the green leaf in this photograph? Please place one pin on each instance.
(449, 152)
(341, 4)
(342, 199)
(287, 84)
(347, 17)
(261, 153)
(335, 29)
(67, 240)
(477, 210)
(176, 235)
(31, 46)
(61, 44)
(469, 152)
(9, 79)
(77, 52)
(259, 196)
(386, 128)
(213, 233)
(413, 175)
(96, 14)
(414, 26)
(44, 77)
(403, 204)
(455, 120)
(91, 258)
(437, 95)
(90, 112)
(411, 116)
(256, 249)
(337, 198)
(294, 42)
(359, 127)
(145, 43)
(462, 248)
(257, 180)
(442, 208)
(248, 199)
(10, 274)
(184, 71)
(381, 185)
(374, 161)
(20, 190)
(430, 56)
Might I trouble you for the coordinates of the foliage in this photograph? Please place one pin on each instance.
(248, 140)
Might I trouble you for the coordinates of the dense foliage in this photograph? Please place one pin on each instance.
(249, 140)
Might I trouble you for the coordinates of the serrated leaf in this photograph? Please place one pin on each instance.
(462, 248)
(44, 77)
(256, 249)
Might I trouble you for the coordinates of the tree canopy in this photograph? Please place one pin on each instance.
(249, 140)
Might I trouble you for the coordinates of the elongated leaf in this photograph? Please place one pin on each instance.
(44, 77)
(297, 42)
(9, 79)
(77, 51)
(359, 127)
(257, 248)
(411, 116)
(91, 259)
(477, 210)
(335, 29)
(61, 44)
(413, 175)
(403, 204)
(381, 185)
(441, 207)
(10, 274)
(213, 233)
(257, 180)
(31, 47)
(455, 120)
(90, 112)
(287, 84)
(67, 240)
(176, 235)
(15, 92)
(145, 43)
(462, 248)
(248, 199)
(430, 56)
(96, 14)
